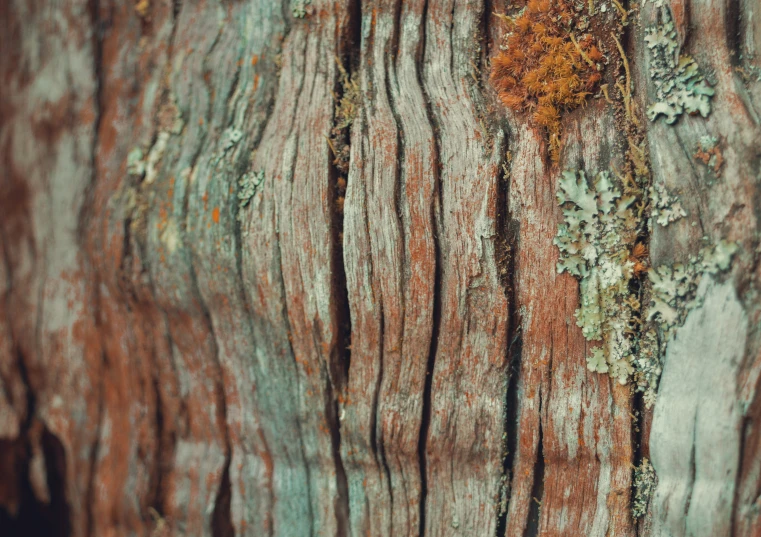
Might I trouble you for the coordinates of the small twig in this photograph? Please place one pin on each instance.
(474, 71)
(626, 92)
(624, 13)
(583, 54)
(626, 62)
(332, 147)
(604, 88)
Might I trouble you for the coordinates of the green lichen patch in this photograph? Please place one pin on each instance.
(136, 162)
(248, 184)
(595, 244)
(300, 8)
(644, 485)
(709, 153)
(679, 84)
(665, 208)
(647, 365)
(674, 287)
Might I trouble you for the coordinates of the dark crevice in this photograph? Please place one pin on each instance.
(537, 490)
(734, 33)
(435, 208)
(396, 35)
(338, 178)
(340, 361)
(508, 232)
(34, 516)
(221, 521)
(510, 432)
(426, 418)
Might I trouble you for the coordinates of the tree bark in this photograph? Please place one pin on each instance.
(290, 268)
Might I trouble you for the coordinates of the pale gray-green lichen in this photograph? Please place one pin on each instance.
(595, 243)
(299, 8)
(230, 137)
(674, 287)
(644, 485)
(248, 184)
(665, 208)
(136, 162)
(679, 85)
(647, 365)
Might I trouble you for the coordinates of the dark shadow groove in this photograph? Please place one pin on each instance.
(537, 490)
(435, 208)
(34, 517)
(221, 520)
(340, 361)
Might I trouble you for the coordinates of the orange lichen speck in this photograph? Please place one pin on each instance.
(542, 69)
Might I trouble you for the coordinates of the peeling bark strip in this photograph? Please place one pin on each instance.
(214, 321)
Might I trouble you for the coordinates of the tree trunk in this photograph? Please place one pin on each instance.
(295, 268)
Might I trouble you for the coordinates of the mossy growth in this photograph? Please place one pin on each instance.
(679, 84)
(598, 245)
(543, 69)
(346, 110)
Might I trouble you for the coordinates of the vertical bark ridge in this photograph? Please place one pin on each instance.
(390, 249)
(463, 448)
(289, 221)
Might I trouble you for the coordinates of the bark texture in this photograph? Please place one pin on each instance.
(212, 325)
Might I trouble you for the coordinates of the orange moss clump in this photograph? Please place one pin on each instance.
(543, 69)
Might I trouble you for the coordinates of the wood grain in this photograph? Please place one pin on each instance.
(175, 360)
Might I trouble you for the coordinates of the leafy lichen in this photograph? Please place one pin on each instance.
(136, 162)
(595, 244)
(644, 485)
(248, 184)
(679, 85)
(665, 208)
(673, 293)
(299, 8)
(674, 287)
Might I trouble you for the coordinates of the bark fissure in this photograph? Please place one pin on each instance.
(245, 369)
(436, 318)
(537, 490)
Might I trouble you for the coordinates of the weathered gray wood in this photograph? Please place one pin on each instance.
(695, 439)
